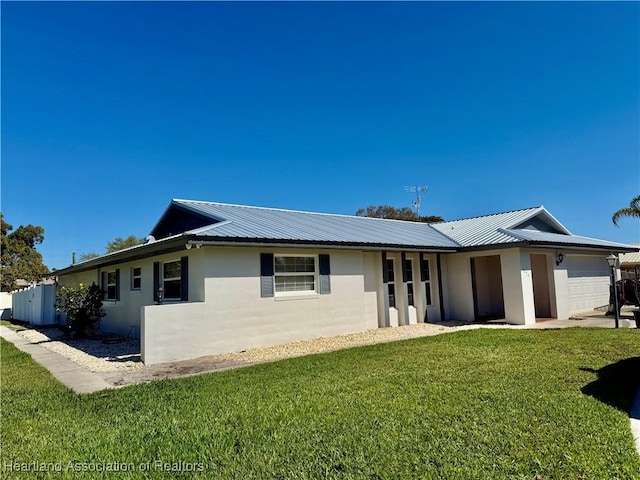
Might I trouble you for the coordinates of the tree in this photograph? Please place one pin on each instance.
(20, 259)
(393, 213)
(633, 210)
(120, 243)
(115, 245)
(83, 307)
(88, 256)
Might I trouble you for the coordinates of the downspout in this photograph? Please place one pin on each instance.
(440, 294)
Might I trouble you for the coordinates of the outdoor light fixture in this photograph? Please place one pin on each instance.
(559, 258)
(611, 260)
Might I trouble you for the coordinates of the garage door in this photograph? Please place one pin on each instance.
(588, 282)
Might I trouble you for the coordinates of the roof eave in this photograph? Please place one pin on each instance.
(146, 250)
(258, 242)
(543, 244)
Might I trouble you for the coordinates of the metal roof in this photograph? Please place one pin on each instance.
(631, 258)
(270, 224)
(487, 229)
(238, 223)
(558, 239)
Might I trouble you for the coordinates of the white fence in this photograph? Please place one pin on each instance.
(35, 304)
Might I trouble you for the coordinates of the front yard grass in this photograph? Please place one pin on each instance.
(495, 404)
(16, 325)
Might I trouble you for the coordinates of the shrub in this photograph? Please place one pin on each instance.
(82, 305)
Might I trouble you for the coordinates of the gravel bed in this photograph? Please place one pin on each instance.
(120, 362)
(213, 363)
(328, 344)
(118, 354)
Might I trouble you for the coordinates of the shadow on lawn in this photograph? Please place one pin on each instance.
(617, 384)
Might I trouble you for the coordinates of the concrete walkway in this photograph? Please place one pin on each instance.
(67, 372)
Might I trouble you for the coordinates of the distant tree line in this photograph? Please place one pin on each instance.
(115, 245)
(394, 213)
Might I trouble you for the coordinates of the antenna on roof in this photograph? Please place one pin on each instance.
(417, 191)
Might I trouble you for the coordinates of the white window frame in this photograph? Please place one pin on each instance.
(170, 279)
(134, 277)
(114, 285)
(295, 293)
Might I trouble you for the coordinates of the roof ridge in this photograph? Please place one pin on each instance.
(296, 211)
(539, 207)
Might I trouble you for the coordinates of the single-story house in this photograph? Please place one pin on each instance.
(216, 278)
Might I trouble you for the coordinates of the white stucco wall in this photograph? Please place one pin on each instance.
(519, 307)
(516, 283)
(123, 316)
(459, 287)
(233, 316)
(561, 284)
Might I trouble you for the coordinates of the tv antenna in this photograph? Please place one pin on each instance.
(417, 191)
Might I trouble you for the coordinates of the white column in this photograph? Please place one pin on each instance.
(517, 284)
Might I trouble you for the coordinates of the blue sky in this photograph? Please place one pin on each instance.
(110, 110)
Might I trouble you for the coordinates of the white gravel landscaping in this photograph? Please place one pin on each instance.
(92, 354)
(120, 362)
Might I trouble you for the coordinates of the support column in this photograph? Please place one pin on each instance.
(519, 306)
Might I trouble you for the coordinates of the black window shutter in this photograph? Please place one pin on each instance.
(325, 273)
(405, 275)
(103, 284)
(385, 273)
(156, 280)
(117, 284)
(424, 270)
(266, 275)
(184, 279)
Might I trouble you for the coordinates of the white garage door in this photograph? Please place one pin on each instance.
(588, 282)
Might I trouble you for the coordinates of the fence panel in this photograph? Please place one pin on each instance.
(35, 304)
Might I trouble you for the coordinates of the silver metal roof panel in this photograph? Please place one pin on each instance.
(243, 222)
(555, 238)
(485, 230)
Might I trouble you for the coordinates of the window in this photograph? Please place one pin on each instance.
(426, 279)
(172, 280)
(136, 278)
(408, 269)
(391, 282)
(294, 274)
(111, 284)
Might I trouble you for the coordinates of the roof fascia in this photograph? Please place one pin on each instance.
(146, 250)
(164, 214)
(260, 242)
(547, 217)
(553, 245)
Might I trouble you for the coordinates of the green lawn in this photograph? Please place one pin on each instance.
(13, 324)
(482, 404)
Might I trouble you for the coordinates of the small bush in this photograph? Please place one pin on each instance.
(83, 307)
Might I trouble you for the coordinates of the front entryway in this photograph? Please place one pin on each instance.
(541, 290)
(486, 278)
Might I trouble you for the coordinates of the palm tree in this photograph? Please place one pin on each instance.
(633, 210)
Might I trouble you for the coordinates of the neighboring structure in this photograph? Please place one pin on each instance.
(630, 264)
(217, 278)
(5, 305)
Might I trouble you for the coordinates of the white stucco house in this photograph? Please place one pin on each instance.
(217, 278)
